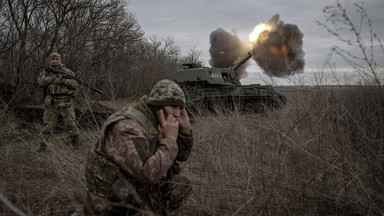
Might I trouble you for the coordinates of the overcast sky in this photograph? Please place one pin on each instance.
(190, 23)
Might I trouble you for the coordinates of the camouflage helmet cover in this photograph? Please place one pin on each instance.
(166, 93)
(55, 55)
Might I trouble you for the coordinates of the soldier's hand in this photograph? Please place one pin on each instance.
(184, 120)
(168, 127)
(58, 79)
(50, 79)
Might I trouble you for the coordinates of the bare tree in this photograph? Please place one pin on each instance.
(20, 15)
(99, 39)
(159, 60)
(359, 42)
(193, 57)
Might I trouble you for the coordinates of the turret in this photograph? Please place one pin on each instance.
(213, 88)
(242, 61)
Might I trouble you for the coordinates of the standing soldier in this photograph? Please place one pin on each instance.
(134, 166)
(59, 94)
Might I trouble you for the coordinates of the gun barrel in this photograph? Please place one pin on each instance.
(49, 69)
(242, 61)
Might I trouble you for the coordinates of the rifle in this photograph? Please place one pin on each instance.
(68, 76)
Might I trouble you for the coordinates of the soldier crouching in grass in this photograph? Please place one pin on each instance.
(134, 167)
(59, 93)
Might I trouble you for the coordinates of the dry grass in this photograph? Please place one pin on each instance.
(320, 155)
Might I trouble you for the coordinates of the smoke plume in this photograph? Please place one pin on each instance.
(278, 50)
(226, 49)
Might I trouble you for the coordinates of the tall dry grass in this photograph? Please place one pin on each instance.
(47, 183)
(322, 154)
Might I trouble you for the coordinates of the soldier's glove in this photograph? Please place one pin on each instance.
(70, 83)
(50, 79)
(58, 79)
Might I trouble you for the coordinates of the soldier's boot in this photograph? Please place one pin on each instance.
(75, 141)
(43, 147)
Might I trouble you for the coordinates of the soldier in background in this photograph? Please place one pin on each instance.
(134, 166)
(59, 94)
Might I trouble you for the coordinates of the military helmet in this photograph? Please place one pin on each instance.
(55, 55)
(166, 93)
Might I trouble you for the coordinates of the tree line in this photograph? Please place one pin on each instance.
(100, 40)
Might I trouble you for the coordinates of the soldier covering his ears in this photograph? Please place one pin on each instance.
(134, 166)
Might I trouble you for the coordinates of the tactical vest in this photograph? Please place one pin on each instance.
(62, 89)
(105, 178)
(59, 95)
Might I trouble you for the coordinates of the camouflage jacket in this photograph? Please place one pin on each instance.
(127, 143)
(58, 90)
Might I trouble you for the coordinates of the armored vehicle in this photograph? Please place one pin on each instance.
(219, 88)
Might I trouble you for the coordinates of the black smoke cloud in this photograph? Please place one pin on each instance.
(278, 50)
(225, 50)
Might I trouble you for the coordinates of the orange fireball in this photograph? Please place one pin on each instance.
(253, 36)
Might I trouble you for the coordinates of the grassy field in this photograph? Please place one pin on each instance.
(322, 154)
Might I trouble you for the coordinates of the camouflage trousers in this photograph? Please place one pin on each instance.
(169, 195)
(50, 118)
(161, 199)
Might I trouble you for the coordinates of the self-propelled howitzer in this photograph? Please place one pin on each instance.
(220, 88)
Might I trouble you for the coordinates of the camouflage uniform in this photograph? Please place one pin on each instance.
(59, 94)
(124, 176)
